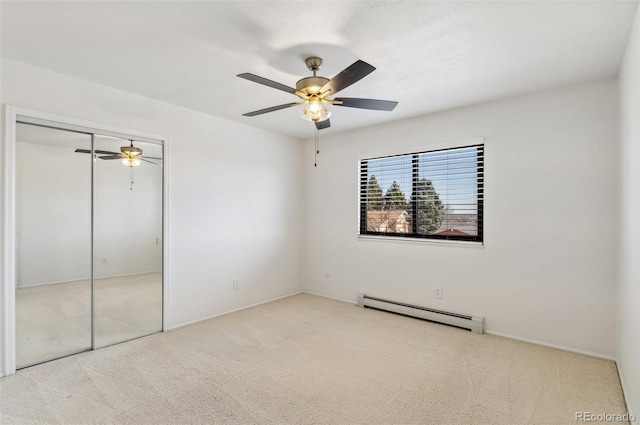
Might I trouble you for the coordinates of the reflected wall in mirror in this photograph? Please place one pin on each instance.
(127, 239)
(53, 238)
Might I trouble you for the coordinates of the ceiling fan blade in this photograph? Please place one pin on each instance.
(321, 125)
(375, 104)
(110, 157)
(267, 82)
(150, 162)
(271, 109)
(99, 152)
(352, 74)
(152, 157)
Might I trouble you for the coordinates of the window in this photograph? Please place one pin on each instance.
(427, 195)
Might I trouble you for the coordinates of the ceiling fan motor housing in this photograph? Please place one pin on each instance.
(130, 150)
(311, 85)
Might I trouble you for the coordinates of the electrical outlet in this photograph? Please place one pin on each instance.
(327, 275)
(236, 285)
(437, 293)
(104, 260)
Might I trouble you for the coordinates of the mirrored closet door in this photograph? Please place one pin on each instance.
(127, 222)
(53, 238)
(88, 241)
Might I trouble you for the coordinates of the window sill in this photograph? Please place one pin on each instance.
(467, 244)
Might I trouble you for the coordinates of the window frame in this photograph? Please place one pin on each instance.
(414, 235)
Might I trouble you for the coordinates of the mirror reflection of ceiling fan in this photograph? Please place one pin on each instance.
(317, 92)
(131, 156)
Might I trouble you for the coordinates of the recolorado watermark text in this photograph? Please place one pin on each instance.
(604, 417)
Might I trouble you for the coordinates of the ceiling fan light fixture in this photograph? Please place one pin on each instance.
(131, 161)
(314, 110)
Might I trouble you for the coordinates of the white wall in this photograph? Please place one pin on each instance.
(232, 191)
(628, 331)
(547, 270)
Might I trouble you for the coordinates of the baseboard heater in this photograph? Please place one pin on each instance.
(474, 323)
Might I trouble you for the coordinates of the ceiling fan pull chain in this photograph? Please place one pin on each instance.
(317, 147)
(131, 188)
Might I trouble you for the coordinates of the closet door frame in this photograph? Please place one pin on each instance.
(12, 116)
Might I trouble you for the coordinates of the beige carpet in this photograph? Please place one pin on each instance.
(311, 360)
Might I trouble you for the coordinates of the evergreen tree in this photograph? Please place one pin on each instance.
(374, 194)
(394, 199)
(430, 210)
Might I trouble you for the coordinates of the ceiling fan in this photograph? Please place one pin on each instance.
(131, 156)
(317, 92)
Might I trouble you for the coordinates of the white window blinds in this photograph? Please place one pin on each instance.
(432, 195)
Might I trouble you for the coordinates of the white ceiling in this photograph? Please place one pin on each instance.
(430, 56)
